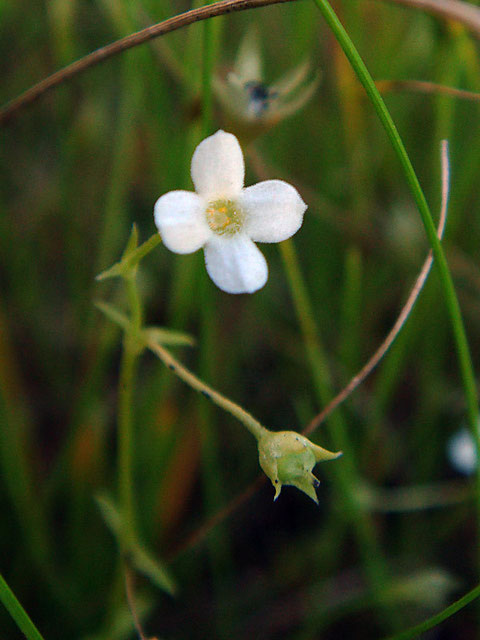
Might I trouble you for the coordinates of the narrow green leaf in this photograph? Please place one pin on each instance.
(17, 612)
(162, 336)
(110, 513)
(131, 257)
(132, 243)
(155, 335)
(114, 314)
(147, 564)
(414, 632)
(142, 559)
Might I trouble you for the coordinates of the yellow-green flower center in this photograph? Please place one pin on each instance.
(224, 217)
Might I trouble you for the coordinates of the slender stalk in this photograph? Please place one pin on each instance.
(253, 425)
(421, 86)
(346, 478)
(208, 53)
(125, 438)
(114, 219)
(15, 453)
(132, 40)
(402, 318)
(128, 367)
(423, 208)
(17, 612)
(219, 546)
(461, 343)
(135, 303)
(432, 622)
(132, 605)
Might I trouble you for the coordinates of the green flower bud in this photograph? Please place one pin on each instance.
(288, 458)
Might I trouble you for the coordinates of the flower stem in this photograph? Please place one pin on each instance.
(125, 411)
(463, 352)
(17, 612)
(125, 438)
(346, 478)
(446, 282)
(414, 632)
(255, 427)
(208, 52)
(135, 303)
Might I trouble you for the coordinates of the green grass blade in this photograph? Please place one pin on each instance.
(17, 612)
(432, 622)
(462, 347)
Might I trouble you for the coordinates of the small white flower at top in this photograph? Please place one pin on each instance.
(225, 218)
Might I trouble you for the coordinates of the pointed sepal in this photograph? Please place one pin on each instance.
(288, 458)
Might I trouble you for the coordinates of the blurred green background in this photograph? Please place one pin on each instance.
(88, 160)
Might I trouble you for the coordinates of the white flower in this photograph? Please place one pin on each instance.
(249, 100)
(461, 452)
(226, 219)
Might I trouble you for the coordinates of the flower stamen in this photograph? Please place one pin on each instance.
(224, 217)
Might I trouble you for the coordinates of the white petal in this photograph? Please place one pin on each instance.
(248, 64)
(217, 168)
(461, 452)
(273, 211)
(235, 264)
(180, 219)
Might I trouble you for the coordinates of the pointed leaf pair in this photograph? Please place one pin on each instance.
(131, 257)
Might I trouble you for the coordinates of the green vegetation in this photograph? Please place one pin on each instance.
(131, 505)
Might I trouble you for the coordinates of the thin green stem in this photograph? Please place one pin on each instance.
(125, 438)
(114, 221)
(128, 366)
(346, 478)
(253, 425)
(134, 302)
(208, 52)
(206, 12)
(432, 622)
(424, 210)
(463, 351)
(17, 612)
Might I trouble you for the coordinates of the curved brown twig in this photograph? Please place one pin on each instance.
(423, 86)
(405, 312)
(132, 40)
(132, 605)
(464, 12)
(199, 534)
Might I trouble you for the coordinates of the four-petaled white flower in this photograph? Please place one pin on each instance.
(225, 218)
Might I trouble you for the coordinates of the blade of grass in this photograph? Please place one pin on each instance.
(461, 343)
(220, 550)
(17, 612)
(346, 477)
(414, 632)
(404, 313)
